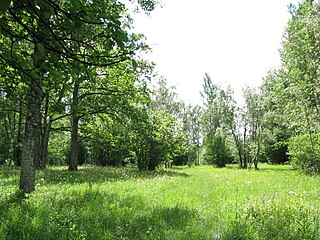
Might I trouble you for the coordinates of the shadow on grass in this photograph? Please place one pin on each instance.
(11, 201)
(264, 167)
(94, 214)
(8, 171)
(9, 178)
(276, 167)
(96, 174)
(14, 198)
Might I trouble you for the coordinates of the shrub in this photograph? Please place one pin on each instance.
(276, 152)
(217, 151)
(304, 152)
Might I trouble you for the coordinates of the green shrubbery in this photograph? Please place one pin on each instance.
(217, 151)
(304, 151)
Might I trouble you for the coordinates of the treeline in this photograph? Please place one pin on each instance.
(279, 121)
(74, 90)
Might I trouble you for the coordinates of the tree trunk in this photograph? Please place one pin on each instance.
(38, 98)
(239, 147)
(7, 139)
(38, 161)
(198, 157)
(17, 157)
(10, 125)
(45, 134)
(255, 162)
(258, 148)
(31, 145)
(245, 156)
(73, 166)
(45, 143)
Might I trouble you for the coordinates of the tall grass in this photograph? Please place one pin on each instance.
(182, 203)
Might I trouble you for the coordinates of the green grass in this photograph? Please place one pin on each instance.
(181, 203)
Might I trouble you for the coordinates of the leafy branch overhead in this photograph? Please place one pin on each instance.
(86, 32)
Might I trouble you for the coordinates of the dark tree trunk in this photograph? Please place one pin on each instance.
(45, 143)
(198, 152)
(10, 125)
(73, 166)
(245, 155)
(255, 162)
(38, 161)
(31, 144)
(239, 148)
(18, 151)
(258, 149)
(38, 98)
(46, 132)
(7, 139)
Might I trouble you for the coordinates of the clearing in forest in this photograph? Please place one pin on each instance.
(181, 203)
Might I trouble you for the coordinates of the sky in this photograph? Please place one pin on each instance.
(235, 42)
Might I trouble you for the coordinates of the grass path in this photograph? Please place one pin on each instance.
(182, 203)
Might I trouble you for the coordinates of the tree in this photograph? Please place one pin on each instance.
(41, 40)
(275, 120)
(10, 127)
(231, 119)
(218, 152)
(106, 109)
(291, 93)
(253, 124)
(300, 79)
(191, 117)
(211, 117)
(216, 123)
(161, 138)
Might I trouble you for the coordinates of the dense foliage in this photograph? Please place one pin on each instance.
(293, 90)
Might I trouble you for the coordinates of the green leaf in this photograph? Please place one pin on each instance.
(2, 22)
(134, 63)
(4, 5)
(75, 5)
(42, 51)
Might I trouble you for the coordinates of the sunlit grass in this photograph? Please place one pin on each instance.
(181, 203)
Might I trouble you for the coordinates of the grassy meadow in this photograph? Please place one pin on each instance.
(180, 203)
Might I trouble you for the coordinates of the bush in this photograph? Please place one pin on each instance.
(304, 153)
(277, 152)
(217, 151)
(151, 155)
